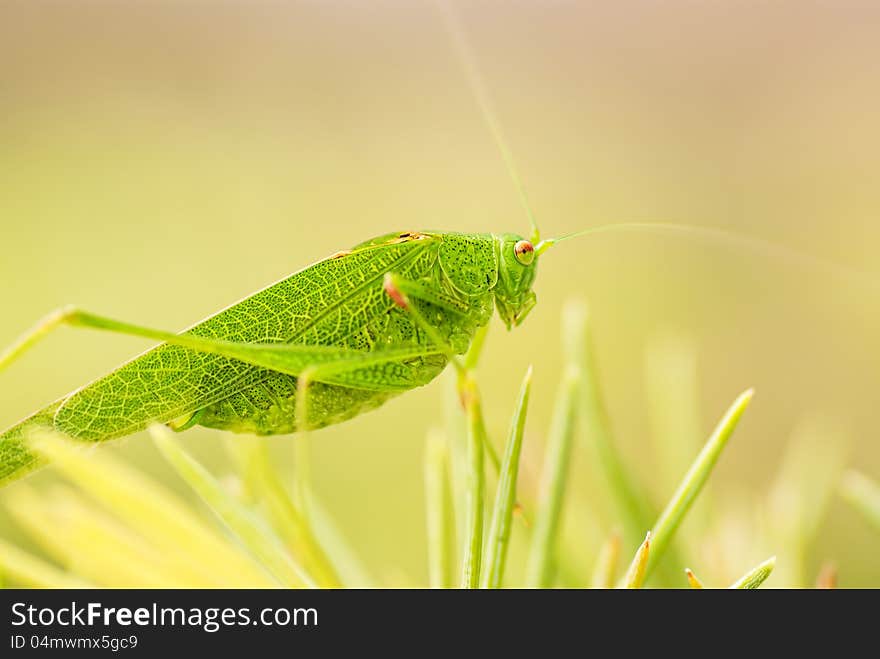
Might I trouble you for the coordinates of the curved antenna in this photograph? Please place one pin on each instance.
(478, 89)
(726, 237)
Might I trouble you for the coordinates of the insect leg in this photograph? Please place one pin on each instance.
(348, 371)
(398, 290)
(288, 358)
(302, 477)
(477, 441)
(27, 340)
(421, 292)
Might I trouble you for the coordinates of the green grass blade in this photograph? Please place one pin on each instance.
(106, 553)
(798, 501)
(673, 405)
(494, 459)
(302, 453)
(756, 576)
(606, 563)
(692, 579)
(338, 550)
(633, 512)
(635, 575)
(471, 360)
(539, 567)
(246, 527)
(265, 485)
(438, 501)
(151, 510)
(33, 571)
(455, 429)
(863, 494)
(33, 513)
(505, 497)
(694, 480)
(476, 485)
(472, 357)
(100, 548)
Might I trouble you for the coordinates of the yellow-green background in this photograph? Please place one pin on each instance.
(161, 160)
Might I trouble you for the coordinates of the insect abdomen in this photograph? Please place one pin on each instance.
(269, 408)
(320, 305)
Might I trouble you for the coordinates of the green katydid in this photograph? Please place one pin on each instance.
(342, 323)
(351, 331)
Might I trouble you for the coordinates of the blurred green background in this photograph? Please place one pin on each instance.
(161, 160)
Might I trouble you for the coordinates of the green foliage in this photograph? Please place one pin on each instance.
(251, 531)
(438, 502)
(756, 576)
(693, 482)
(864, 494)
(476, 485)
(114, 526)
(635, 574)
(505, 498)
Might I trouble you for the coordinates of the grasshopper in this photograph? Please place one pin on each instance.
(358, 327)
(331, 341)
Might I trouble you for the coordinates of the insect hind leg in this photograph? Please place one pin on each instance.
(75, 317)
(34, 335)
(289, 358)
(399, 290)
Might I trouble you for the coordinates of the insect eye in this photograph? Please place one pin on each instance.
(524, 251)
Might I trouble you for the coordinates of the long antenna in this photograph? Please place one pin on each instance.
(478, 88)
(726, 237)
(466, 59)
